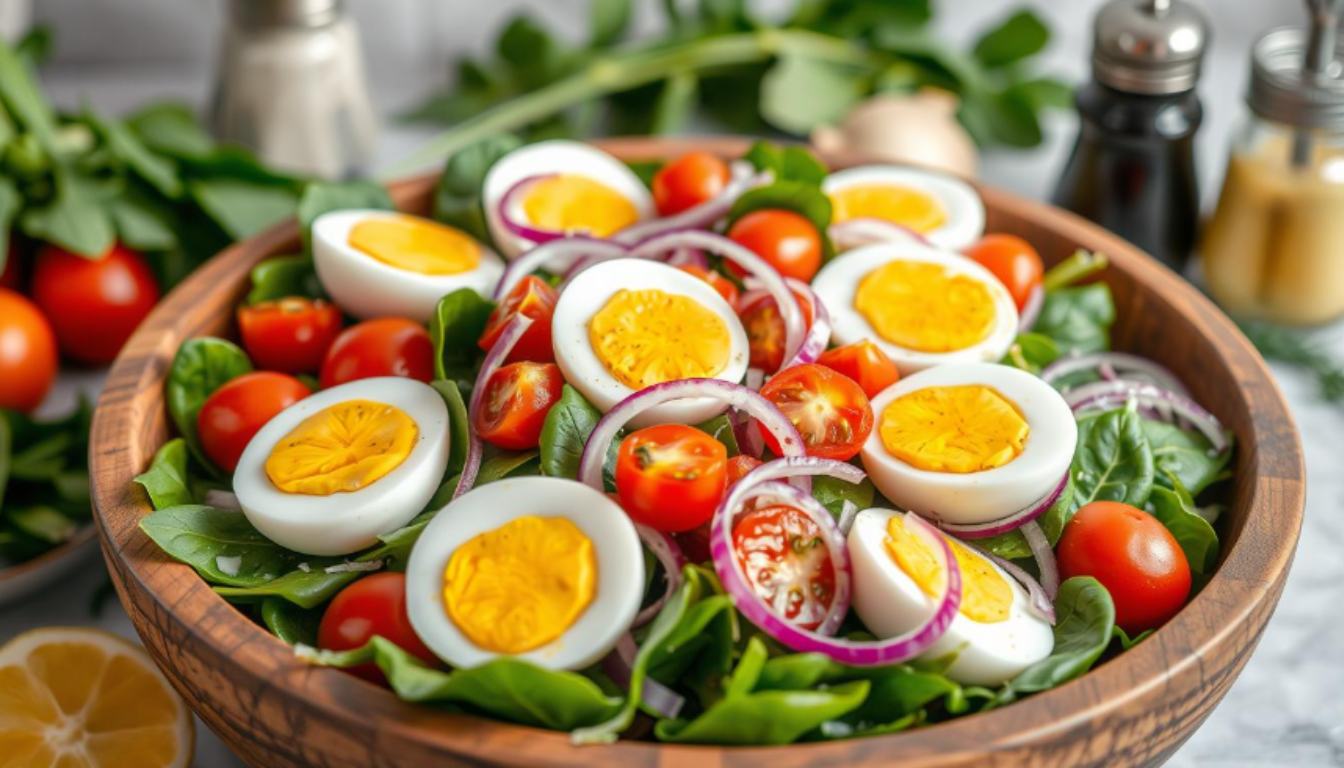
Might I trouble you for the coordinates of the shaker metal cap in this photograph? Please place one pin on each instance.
(1150, 47)
(258, 14)
(1283, 92)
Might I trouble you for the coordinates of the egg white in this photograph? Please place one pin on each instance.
(590, 291)
(979, 497)
(965, 212)
(368, 288)
(620, 568)
(558, 156)
(890, 603)
(838, 282)
(346, 522)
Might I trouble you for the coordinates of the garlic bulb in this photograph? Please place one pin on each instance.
(919, 129)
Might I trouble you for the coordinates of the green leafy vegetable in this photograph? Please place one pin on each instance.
(833, 493)
(289, 622)
(166, 479)
(1085, 618)
(457, 325)
(721, 429)
(801, 93)
(568, 424)
(1032, 352)
(1184, 454)
(1127, 642)
(787, 163)
(200, 367)
(1022, 36)
(1300, 349)
(241, 206)
(803, 198)
(1078, 319)
(1176, 511)
(1114, 461)
(457, 198)
(459, 429)
(324, 197)
(282, 276)
(221, 545)
(1013, 545)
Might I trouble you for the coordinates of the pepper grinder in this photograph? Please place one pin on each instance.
(1132, 169)
(291, 87)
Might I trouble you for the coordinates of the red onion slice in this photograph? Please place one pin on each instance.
(865, 231)
(702, 216)
(1045, 558)
(669, 555)
(619, 664)
(819, 335)
(498, 353)
(1105, 395)
(848, 511)
(1123, 364)
(1009, 523)
(1031, 311)
(519, 229)
(562, 250)
(749, 439)
(1040, 604)
(688, 257)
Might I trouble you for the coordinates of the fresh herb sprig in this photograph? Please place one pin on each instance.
(1297, 349)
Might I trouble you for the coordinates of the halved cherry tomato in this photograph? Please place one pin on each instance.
(388, 346)
(374, 605)
(765, 330)
(739, 466)
(1013, 261)
(536, 299)
(1134, 557)
(865, 363)
(718, 282)
(689, 181)
(94, 305)
(786, 240)
(11, 276)
(290, 335)
(831, 412)
(28, 359)
(517, 398)
(671, 477)
(786, 562)
(695, 542)
(233, 414)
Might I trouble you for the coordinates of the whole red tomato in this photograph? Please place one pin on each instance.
(374, 605)
(786, 240)
(688, 181)
(388, 346)
(1013, 261)
(28, 359)
(290, 335)
(233, 414)
(94, 305)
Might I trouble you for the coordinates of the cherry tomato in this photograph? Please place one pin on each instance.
(1134, 557)
(689, 181)
(786, 240)
(671, 477)
(374, 605)
(94, 305)
(28, 359)
(290, 335)
(831, 412)
(695, 542)
(786, 562)
(232, 414)
(739, 466)
(11, 276)
(765, 330)
(1013, 261)
(865, 363)
(388, 346)
(536, 299)
(718, 282)
(516, 401)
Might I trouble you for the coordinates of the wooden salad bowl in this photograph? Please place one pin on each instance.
(1137, 709)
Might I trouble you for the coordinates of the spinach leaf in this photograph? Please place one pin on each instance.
(323, 197)
(221, 545)
(1127, 642)
(1114, 461)
(281, 276)
(124, 145)
(803, 198)
(1032, 352)
(171, 129)
(800, 93)
(166, 479)
(1021, 36)
(10, 203)
(1013, 545)
(43, 522)
(200, 367)
(721, 429)
(568, 424)
(289, 622)
(1185, 455)
(457, 325)
(789, 163)
(144, 221)
(1078, 319)
(243, 207)
(1176, 511)
(457, 199)
(75, 219)
(833, 493)
(608, 21)
(1085, 617)
(459, 430)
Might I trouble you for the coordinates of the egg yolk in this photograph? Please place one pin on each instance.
(416, 245)
(341, 449)
(960, 429)
(922, 306)
(911, 208)
(570, 203)
(521, 585)
(647, 337)
(985, 595)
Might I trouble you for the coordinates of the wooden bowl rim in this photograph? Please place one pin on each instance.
(1251, 572)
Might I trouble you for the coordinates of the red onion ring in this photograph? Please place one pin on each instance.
(493, 360)
(669, 555)
(1105, 395)
(866, 230)
(1125, 365)
(575, 247)
(1045, 558)
(657, 697)
(688, 257)
(848, 511)
(704, 215)
(755, 379)
(1005, 524)
(749, 439)
(536, 235)
(819, 335)
(1040, 604)
(1031, 311)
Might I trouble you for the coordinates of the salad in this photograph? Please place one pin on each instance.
(714, 452)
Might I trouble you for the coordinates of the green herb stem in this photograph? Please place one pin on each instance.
(1069, 271)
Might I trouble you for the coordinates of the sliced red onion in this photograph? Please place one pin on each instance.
(688, 257)
(517, 228)
(1045, 558)
(1105, 395)
(702, 216)
(1123, 364)
(1031, 311)
(562, 250)
(222, 499)
(755, 379)
(1041, 604)
(735, 395)
(749, 439)
(865, 231)
(848, 511)
(493, 360)
(669, 555)
(1009, 523)
(819, 335)
(619, 664)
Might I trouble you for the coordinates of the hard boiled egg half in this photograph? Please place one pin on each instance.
(562, 186)
(538, 568)
(942, 209)
(330, 473)
(898, 577)
(626, 324)
(387, 264)
(922, 306)
(969, 444)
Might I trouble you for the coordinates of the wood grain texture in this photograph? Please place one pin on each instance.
(1135, 710)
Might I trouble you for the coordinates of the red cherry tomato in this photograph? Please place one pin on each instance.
(1134, 557)
(388, 346)
(765, 330)
(290, 335)
(536, 299)
(233, 414)
(671, 477)
(786, 562)
(94, 305)
(695, 542)
(11, 276)
(516, 401)
(689, 181)
(718, 282)
(865, 363)
(374, 605)
(739, 466)
(831, 412)
(785, 239)
(1013, 261)
(28, 359)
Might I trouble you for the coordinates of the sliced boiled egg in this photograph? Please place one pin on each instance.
(626, 324)
(388, 264)
(922, 306)
(330, 473)
(566, 186)
(538, 568)
(898, 577)
(942, 209)
(969, 443)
